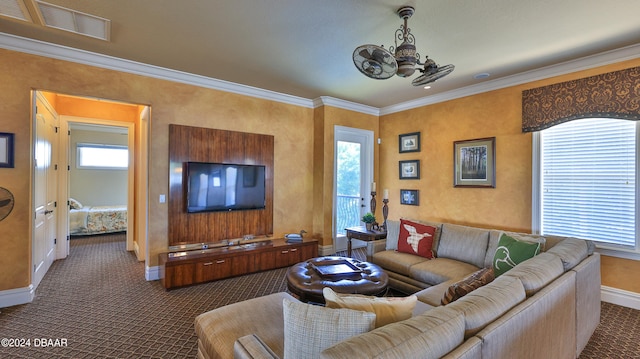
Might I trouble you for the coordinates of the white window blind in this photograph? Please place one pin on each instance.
(588, 180)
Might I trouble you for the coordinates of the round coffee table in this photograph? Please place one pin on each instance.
(344, 275)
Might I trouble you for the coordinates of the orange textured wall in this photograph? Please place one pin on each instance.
(484, 115)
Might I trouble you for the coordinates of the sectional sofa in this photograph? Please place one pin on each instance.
(545, 307)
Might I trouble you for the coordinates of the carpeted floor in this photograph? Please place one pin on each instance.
(98, 301)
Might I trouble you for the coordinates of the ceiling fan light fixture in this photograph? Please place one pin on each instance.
(406, 58)
(378, 63)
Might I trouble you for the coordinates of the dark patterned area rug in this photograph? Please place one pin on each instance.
(99, 303)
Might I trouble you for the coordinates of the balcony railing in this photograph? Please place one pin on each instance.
(347, 212)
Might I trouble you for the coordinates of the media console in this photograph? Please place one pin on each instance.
(184, 268)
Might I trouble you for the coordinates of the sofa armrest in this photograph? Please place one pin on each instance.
(250, 347)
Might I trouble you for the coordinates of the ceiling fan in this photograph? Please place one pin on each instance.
(379, 63)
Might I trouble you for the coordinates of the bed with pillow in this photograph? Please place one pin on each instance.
(88, 220)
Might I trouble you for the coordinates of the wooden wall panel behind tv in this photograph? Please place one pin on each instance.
(196, 144)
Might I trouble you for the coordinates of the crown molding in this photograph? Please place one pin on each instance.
(347, 105)
(41, 48)
(585, 63)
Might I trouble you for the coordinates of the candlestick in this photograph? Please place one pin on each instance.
(385, 212)
(373, 202)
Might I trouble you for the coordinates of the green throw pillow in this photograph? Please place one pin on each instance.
(510, 252)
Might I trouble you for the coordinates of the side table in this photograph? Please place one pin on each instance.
(363, 234)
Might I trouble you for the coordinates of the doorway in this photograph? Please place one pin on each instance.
(353, 175)
(99, 172)
(132, 120)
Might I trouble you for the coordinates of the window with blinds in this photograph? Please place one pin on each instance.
(100, 156)
(588, 180)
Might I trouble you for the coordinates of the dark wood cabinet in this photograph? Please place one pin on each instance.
(192, 267)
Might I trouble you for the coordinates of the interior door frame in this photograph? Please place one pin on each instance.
(64, 182)
(340, 133)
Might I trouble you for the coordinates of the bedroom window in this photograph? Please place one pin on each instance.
(588, 185)
(100, 156)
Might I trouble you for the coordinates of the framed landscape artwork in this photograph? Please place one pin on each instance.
(6, 149)
(409, 142)
(409, 169)
(410, 197)
(474, 163)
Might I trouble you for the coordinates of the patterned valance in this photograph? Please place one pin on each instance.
(613, 95)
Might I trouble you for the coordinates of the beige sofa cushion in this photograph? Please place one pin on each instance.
(466, 244)
(486, 304)
(397, 262)
(429, 335)
(387, 309)
(571, 251)
(309, 329)
(440, 270)
(537, 272)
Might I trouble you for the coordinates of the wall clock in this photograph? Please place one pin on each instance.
(6, 203)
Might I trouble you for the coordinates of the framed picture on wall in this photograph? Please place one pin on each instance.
(410, 197)
(409, 169)
(6, 149)
(409, 142)
(474, 163)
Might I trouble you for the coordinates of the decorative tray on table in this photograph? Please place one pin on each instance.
(336, 268)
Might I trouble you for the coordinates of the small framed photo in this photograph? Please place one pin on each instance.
(6, 149)
(410, 197)
(409, 142)
(474, 163)
(409, 169)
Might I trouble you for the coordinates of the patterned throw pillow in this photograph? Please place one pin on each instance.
(511, 251)
(416, 238)
(474, 281)
(310, 329)
(387, 309)
(74, 204)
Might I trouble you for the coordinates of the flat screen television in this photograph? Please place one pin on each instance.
(224, 187)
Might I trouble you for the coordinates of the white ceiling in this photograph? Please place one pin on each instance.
(303, 47)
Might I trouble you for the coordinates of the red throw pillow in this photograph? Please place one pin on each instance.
(416, 238)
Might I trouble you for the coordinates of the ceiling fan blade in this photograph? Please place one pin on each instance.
(375, 62)
(431, 74)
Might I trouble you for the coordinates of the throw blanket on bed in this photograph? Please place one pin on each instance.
(97, 219)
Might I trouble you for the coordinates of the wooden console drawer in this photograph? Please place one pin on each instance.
(200, 266)
(212, 269)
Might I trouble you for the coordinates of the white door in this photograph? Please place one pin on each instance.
(44, 190)
(353, 174)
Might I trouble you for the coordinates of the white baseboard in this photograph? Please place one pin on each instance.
(326, 250)
(620, 297)
(152, 273)
(17, 296)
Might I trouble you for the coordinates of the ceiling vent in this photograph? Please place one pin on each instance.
(58, 17)
(74, 21)
(15, 9)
